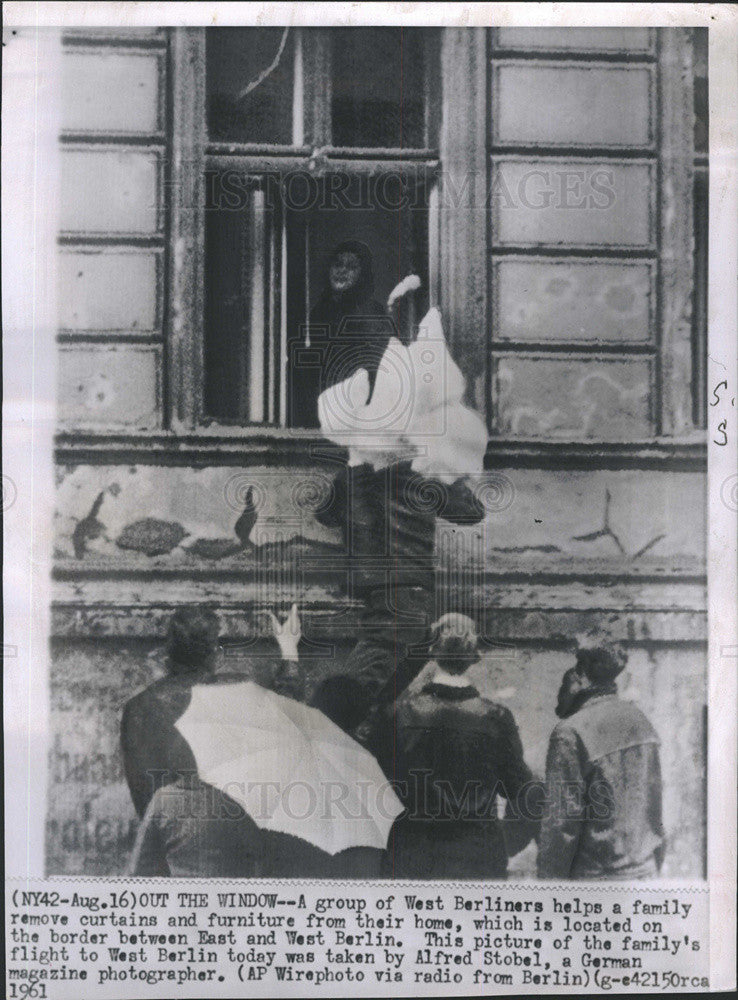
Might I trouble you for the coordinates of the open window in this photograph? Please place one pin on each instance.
(267, 253)
(314, 136)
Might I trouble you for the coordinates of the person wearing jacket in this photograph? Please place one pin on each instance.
(603, 780)
(347, 329)
(188, 827)
(387, 516)
(453, 755)
(191, 829)
(155, 754)
(388, 521)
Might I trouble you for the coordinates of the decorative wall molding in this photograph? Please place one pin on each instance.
(662, 602)
(272, 446)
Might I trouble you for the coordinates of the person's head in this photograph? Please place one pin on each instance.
(596, 669)
(350, 271)
(343, 699)
(454, 643)
(192, 640)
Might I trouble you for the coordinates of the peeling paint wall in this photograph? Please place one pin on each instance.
(151, 515)
(620, 552)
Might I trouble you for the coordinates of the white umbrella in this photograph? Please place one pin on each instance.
(290, 768)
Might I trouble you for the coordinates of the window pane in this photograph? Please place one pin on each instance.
(577, 398)
(238, 260)
(236, 59)
(381, 78)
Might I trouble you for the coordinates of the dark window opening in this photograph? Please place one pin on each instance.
(389, 215)
(701, 106)
(266, 264)
(701, 225)
(382, 79)
(241, 350)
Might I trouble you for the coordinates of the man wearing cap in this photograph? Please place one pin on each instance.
(457, 762)
(603, 780)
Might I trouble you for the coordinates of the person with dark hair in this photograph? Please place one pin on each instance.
(191, 828)
(192, 640)
(454, 755)
(603, 779)
(347, 329)
(388, 521)
(154, 752)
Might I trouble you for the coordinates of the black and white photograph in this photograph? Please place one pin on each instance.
(380, 447)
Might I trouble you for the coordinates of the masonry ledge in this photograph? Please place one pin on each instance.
(277, 446)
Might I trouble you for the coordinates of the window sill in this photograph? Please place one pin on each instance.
(253, 446)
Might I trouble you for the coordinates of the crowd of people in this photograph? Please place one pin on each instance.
(451, 793)
(453, 758)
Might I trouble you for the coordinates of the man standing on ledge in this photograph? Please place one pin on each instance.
(603, 780)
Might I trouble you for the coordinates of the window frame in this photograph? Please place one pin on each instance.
(459, 241)
(192, 154)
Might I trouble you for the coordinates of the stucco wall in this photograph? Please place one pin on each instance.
(91, 822)
(554, 557)
(629, 517)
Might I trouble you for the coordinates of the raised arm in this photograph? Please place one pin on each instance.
(455, 502)
(290, 676)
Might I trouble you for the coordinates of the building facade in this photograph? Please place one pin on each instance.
(549, 186)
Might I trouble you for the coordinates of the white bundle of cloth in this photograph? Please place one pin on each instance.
(415, 412)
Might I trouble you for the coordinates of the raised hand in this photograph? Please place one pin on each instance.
(287, 633)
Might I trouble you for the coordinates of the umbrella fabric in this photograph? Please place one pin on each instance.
(290, 768)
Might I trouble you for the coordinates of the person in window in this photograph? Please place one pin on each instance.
(348, 329)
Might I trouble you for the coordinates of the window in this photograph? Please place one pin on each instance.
(241, 106)
(380, 77)
(313, 137)
(464, 156)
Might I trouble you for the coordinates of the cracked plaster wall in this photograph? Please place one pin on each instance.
(190, 515)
